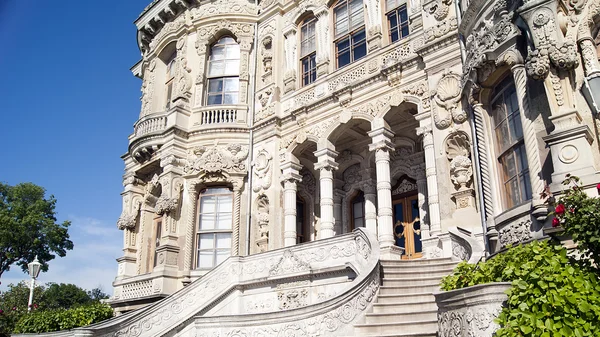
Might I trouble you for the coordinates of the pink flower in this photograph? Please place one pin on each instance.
(560, 209)
(598, 188)
(14, 308)
(555, 222)
(1, 311)
(35, 306)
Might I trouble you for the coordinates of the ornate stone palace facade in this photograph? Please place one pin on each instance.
(434, 125)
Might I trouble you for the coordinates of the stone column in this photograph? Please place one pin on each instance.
(192, 198)
(540, 211)
(382, 145)
(291, 62)
(337, 213)
(326, 165)
(290, 178)
(589, 55)
(245, 47)
(201, 50)
(373, 25)
(235, 236)
(422, 189)
(370, 191)
(430, 173)
(322, 36)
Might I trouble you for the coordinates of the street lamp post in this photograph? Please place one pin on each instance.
(34, 271)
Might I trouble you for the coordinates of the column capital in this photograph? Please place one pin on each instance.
(326, 159)
(289, 30)
(382, 139)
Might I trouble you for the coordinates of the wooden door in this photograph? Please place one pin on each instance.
(407, 227)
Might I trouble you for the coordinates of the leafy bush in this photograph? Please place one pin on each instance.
(63, 319)
(551, 295)
(579, 215)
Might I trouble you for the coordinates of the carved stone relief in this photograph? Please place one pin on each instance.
(404, 187)
(458, 151)
(473, 321)
(183, 79)
(292, 299)
(352, 175)
(515, 232)
(289, 263)
(447, 98)
(148, 88)
(262, 170)
(263, 223)
(210, 9)
(217, 159)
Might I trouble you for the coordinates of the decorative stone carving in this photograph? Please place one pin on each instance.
(460, 252)
(440, 29)
(148, 88)
(458, 150)
(211, 9)
(404, 187)
(516, 232)
(263, 223)
(309, 183)
(262, 170)
(288, 264)
(165, 205)
(352, 175)
(217, 159)
(440, 9)
(168, 28)
(183, 79)
(206, 32)
(381, 106)
(447, 97)
(292, 299)
(267, 54)
(127, 221)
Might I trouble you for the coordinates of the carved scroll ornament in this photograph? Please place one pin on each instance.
(447, 96)
(217, 159)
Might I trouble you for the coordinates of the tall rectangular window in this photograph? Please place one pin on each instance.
(170, 80)
(350, 37)
(510, 146)
(397, 17)
(223, 72)
(308, 51)
(215, 219)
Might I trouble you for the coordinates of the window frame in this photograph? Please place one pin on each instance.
(218, 191)
(225, 75)
(355, 200)
(170, 78)
(156, 236)
(396, 10)
(311, 56)
(349, 35)
(513, 150)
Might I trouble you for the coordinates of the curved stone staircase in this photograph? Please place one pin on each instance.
(405, 305)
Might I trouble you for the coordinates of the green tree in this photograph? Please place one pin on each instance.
(98, 294)
(28, 227)
(63, 296)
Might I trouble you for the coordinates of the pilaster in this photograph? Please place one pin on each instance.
(290, 179)
(326, 165)
(431, 176)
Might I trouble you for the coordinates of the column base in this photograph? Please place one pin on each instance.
(391, 253)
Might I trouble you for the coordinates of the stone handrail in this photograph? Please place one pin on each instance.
(354, 255)
(216, 114)
(471, 311)
(150, 124)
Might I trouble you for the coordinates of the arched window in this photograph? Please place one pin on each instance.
(358, 210)
(170, 79)
(223, 72)
(308, 48)
(510, 147)
(350, 37)
(215, 208)
(397, 17)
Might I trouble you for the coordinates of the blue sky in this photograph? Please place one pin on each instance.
(69, 103)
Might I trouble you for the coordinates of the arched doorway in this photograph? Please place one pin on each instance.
(407, 224)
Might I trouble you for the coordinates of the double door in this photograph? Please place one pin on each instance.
(407, 227)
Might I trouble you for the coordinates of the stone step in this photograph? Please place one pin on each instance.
(409, 289)
(402, 308)
(416, 315)
(416, 281)
(415, 262)
(395, 272)
(418, 268)
(417, 334)
(412, 328)
(406, 298)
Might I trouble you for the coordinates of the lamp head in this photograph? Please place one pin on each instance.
(34, 268)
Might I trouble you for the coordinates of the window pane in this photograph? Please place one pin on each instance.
(215, 85)
(232, 67)
(526, 186)
(344, 58)
(359, 223)
(227, 40)
(233, 52)
(510, 167)
(391, 4)
(225, 203)
(217, 53)
(393, 21)
(207, 221)
(208, 204)
(404, 30)
(223, 240)
(231, 98)
(521, 158)
(403, 14)
(360, 51)
(215, 99)
(516, 131)
(224, 221)
(502, 136)
(513, 192)
(205, 259)
(206, 241)
(222, 255)
(232, 84)
(358, 209)
(341, 20)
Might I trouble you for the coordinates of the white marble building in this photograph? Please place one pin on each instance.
(433, 125)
